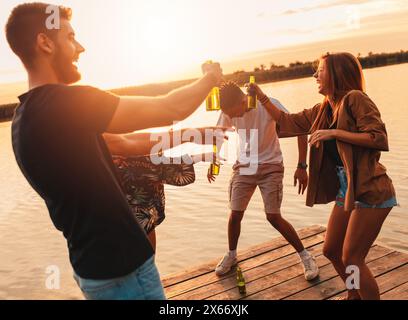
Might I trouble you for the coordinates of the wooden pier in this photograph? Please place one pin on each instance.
(272, 272)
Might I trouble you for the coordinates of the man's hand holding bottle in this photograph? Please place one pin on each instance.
(213, 69)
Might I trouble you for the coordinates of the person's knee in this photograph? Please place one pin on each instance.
(332, 253)
(350, 258)
(236, 216)
(274, 218)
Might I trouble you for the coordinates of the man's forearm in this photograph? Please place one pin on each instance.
(184, 101)
(138, 113)
(356, 138)
(129, 145)
(142, 142)
(302, 147)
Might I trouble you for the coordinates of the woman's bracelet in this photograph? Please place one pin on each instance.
(264, 100)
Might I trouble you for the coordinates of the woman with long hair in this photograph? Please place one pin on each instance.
(347, 136)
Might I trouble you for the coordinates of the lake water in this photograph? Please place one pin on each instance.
(196, 226)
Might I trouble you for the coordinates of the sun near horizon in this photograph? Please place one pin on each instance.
(132, 42)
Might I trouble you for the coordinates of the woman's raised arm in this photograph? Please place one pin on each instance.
(288, 125)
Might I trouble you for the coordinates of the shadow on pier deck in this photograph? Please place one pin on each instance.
(272, 272)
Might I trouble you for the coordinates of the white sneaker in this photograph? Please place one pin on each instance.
(225, 265)
(310, 268)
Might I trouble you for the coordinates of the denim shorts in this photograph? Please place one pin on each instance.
(341, 173)
(142, 284)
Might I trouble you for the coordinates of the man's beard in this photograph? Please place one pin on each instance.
(64, 69)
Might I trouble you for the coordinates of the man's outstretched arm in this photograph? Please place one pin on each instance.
(137, 113)
(141, 143)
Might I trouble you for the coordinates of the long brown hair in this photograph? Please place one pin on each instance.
(344, 75)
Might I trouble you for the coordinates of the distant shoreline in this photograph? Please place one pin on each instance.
(274, 73)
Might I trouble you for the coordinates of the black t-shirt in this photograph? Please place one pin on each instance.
(330, 146)
(58, 144)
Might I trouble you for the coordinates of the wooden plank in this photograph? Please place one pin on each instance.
(334, 286)
(256, 288)
(246, 254)
(251, 275)
(246, 265)
(274, 290)
(394, 278)
(210, 278)
(398, 293)
(390, 280)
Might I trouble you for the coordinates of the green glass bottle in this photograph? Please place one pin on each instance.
(215, 166)
(213, 99)
(252, 99)
(215, 169)
(241, 281)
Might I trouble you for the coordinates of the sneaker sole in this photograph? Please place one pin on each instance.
(313, 277)
(224, 273)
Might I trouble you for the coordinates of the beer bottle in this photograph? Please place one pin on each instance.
(252, 99)
(241, 281)
(213, 99)
(215, 165)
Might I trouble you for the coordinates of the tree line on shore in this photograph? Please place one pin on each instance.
(299, 69)
(263, 74)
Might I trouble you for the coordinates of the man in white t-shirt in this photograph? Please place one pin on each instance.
(260, 163)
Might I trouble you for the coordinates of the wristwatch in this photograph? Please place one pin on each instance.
(302, 165)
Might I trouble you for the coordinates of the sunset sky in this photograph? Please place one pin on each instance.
(132, 42)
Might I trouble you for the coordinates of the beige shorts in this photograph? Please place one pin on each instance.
(269, 178)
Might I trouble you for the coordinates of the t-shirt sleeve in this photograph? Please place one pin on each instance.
(278, 104)
(84, 107)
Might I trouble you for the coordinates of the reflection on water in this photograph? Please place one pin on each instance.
(195, 228)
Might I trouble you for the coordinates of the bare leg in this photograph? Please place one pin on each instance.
(286, 230)
(363, 229)
(234, 228)
(152, 238)
(333, 244)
